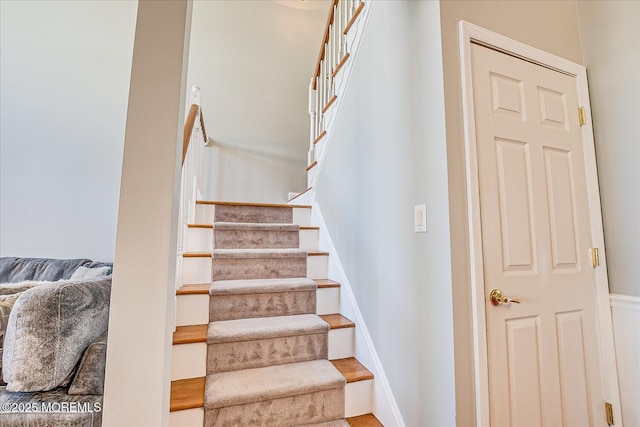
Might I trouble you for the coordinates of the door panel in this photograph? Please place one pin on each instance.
(542, 353)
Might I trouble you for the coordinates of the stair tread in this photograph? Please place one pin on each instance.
(250, 286)
(317, 253)
(333, 423)
(187, 394)
(319, 137)
(258, 253)
(194, 289)
(197, 255)
(326, 283)
(299, 194)
(200, 225)
(308, 227)
(265, 327)
(190, 334)
(256, 226)
(367, 420)
(337, 321)
(271, 382)
(259, 205)
(352, 369)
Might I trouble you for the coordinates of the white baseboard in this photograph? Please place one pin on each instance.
(385, 407)
(625, 314)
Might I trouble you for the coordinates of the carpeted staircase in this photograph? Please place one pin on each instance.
(266, 348)
(249, 349)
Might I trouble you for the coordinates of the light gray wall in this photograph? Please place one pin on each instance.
(253, 61)
(610, 34)
(388, 153)
(64, 73)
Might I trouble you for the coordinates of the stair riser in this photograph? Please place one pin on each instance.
(199, 270)
(328, 301)
(309, 240)
(233, 356)
(242, 239)
(187, 418)
(244, 306)
(358, 398)
(317, 267)
(259, 268)
(205, 214)
(342, 343)
(192, 310)
(196, 309)
(288, 411)
(199, 239)
(196, 270)
(188, 361)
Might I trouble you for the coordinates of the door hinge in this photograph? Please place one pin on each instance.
(582, 115)
(609, 410)
(595, 260)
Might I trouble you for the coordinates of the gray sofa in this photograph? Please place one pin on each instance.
(53, 334)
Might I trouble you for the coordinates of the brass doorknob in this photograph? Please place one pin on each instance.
(497, 298)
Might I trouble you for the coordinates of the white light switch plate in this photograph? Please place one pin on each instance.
(420, 218)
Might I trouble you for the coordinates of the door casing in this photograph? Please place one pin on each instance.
(468, 34)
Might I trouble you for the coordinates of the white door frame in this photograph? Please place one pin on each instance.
(472, 33)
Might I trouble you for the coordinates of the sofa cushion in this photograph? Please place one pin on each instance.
(44, 269)
(83, 273)
(89, 378)
(49, 328)
(18, 287)
(6, 304)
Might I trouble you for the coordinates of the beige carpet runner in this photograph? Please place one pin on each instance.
(266, 348)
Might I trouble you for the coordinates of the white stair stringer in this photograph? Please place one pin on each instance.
(382, 399)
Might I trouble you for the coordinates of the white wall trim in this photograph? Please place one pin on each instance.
(625, 301)
(385, 407)
(469, 33)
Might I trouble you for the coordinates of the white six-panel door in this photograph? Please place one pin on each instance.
(543, 358)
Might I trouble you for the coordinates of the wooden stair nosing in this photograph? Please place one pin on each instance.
(196, 255)
(187, 394)
(326, 283)
(337, 321)
(367, 420)
(194, 289)
(200, 225)
(322, 135)
(330, 103)
(190, 334)
(317, 253)
(341, 64)
(311, 166)
(302, 227)
(299, 194)
(210, 254)
(251, 204)
(352, 370)
(353, 18)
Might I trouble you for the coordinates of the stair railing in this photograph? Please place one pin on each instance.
(193, 143)
(335, 50)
